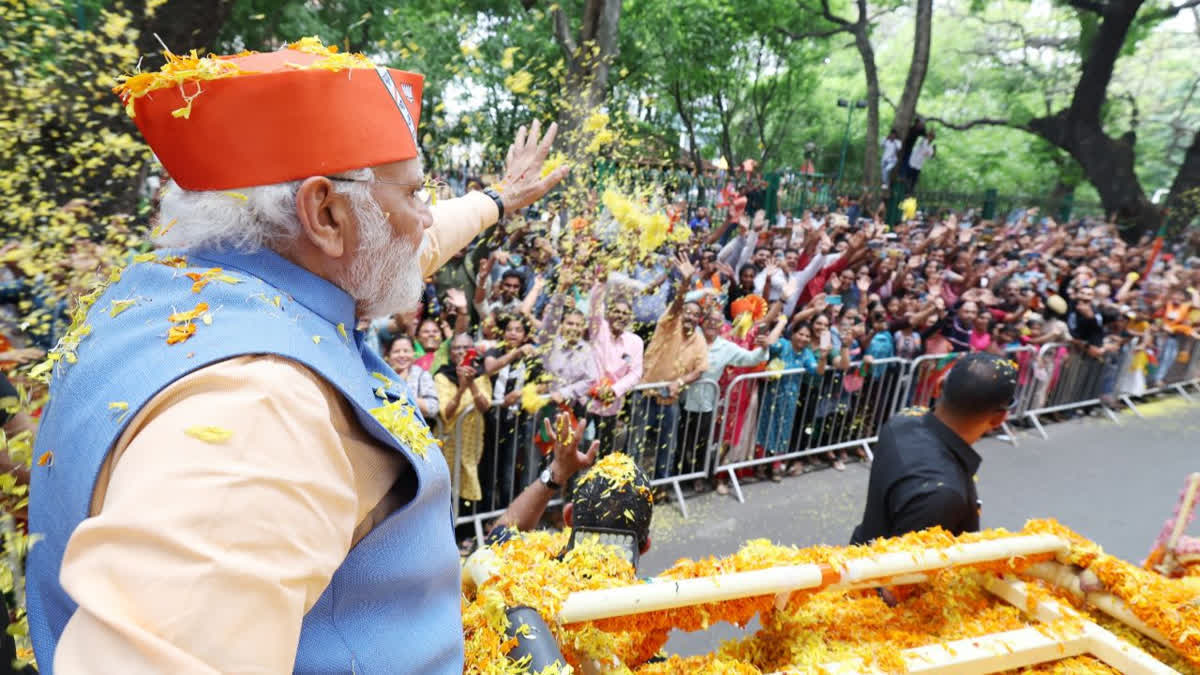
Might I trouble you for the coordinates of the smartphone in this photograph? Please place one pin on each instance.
(826, 340)
(834, 300)
(470, 358)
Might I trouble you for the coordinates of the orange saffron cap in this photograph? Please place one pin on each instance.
(224, 122)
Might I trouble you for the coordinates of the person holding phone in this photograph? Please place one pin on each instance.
(465, 393)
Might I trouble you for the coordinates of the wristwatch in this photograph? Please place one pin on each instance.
(499, 202)
(548, 479)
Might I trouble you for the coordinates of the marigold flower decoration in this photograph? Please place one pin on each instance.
(747, 311)
(189, 71)
(813, 628)
(401, 420)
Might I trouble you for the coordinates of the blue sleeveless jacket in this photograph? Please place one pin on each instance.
(393, 606)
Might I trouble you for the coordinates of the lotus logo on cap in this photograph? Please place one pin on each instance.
(390, 85)
(406, 89)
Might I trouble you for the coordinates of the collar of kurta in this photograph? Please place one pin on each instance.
(965, 454)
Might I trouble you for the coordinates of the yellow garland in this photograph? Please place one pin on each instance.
(814, 628)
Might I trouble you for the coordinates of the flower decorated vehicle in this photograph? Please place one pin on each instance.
(1174, 553)
(1044, 599)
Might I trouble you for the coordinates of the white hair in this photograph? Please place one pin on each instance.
(381, 276)
(246, 219)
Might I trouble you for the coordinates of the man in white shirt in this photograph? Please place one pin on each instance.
(890, 156)
(922, 151)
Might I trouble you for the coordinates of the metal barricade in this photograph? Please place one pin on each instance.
(670, 443)
(1178, 364)
(510, 462)
(452, 443)
(1067, 379)
(796, 413)
(778, 416)
(925, 377)
(1025, 357)
(1192, 375)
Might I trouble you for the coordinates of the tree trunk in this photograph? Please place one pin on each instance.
(1183, 202)
(906, 110)
(181, 24)
(725, 116)
(862, 40)
(1107, 162)
(688, 124)
(588, 60)
(1108, 165)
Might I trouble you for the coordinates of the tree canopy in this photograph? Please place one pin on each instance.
(1099, 97)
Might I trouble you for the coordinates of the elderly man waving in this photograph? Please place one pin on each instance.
(231, 481)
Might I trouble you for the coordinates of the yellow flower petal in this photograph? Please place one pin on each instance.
(209, 434)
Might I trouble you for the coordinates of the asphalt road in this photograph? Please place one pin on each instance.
(1114, 483)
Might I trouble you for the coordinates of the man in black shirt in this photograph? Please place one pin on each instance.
(924, 469)
(1084, 319)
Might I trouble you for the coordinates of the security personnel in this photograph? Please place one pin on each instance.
(924, 469)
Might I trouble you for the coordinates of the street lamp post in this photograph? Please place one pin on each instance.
(843, 103)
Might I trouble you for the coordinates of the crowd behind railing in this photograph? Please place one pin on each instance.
(758, 347)
(774, 347)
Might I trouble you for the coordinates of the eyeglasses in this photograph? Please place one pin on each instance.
(425, 191)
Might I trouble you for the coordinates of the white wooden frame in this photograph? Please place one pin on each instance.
(1013, 649)
(984, 654)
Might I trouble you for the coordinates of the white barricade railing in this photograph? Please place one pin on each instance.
(1068, 378)
(706, 430)
(1137, 376)
(926, 373)
(452, 444)
(795, 413)
(655, 426)
(510, 462)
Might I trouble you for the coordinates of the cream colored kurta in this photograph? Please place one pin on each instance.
(204, 557)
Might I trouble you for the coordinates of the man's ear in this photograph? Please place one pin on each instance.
(326, 218)
(646, 546)
(998, 418)
(569, 514)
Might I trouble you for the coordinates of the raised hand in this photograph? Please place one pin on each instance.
(858, 240)
(523, 183)
(457, 298)
(485, 269)
(568, 460)
(684, 265)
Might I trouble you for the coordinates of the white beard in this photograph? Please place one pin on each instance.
(385, 276)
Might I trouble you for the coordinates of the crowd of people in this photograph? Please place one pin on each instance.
(537, 318)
